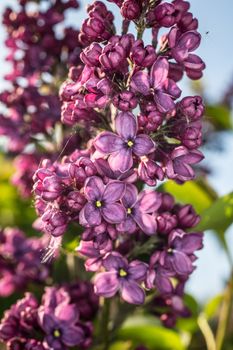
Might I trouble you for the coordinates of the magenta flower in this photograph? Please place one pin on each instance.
(139, 209)
(121, 147)
(102, 202)
(157, 84)
(60, 327)
(123, 277)
(178, 166)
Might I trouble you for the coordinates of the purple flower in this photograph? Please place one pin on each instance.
(131, 9)
(121, 147)
(139, 209)
(60, 327)
(102, 202)
(123, 277)
(179, 254)
(156, 84)
(178, 165)
(143, 57)
(191, 107)
(149, 171)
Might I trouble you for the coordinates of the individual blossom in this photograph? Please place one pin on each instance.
(102, 202)
(123, 277)
(122, 146)
(157, 84)
(139, 209)
(178, 166)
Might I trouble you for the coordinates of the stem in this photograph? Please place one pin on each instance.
(225, 313)
(104, 323)
(207, 332)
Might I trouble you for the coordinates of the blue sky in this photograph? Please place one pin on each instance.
(216, 27)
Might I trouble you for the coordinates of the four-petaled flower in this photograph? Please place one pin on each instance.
(157, 84)
(102, 202)
(123, 277)
(139, 209)
(121, 147)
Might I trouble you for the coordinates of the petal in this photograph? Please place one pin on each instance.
(108, 142)
(115, 261)
(66, 312)
(143, 145)
(91, 214)
(191, 242)
(72, 335)
(159, 72)
(113, 191)
(127, 226)
(149, 201)
(130, 196)
(138, 270)
(106, 284)
(140, 83)
(146, 222)
(48, 323)
(132, 293)
(122, 160)
(181, 263)
(94, 188)
(164, 102)
(114, 213)
(126, 125)
(163, 283)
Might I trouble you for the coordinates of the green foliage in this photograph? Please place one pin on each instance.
(219, 116)
(197, 193)
(153, 337)
(212, 306)
(13, 210)
(218, 216)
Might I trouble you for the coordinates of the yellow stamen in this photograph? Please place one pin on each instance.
(98, 204)
(129, 211)
(130, 143)
(122, 273)
(56, 333)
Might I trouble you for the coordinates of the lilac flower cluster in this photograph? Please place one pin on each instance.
(20, 261)
(56, 323)
(41, 48)
(134, 239)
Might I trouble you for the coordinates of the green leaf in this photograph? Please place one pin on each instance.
(219, 116)
(153, 337)
(121, 345)
(192, 192)
(219, 216)
(212, 306)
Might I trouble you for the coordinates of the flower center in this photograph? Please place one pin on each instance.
(129, 210)
(56, 333)
(122, 273)
(170, 251)
(98, 204)
(130, 143)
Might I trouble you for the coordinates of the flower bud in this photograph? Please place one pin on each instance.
(131, 9)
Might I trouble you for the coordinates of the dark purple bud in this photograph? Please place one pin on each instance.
(142, 56)
(54, 221)
(191, 107)
(192, 136)
(90, 55)
(187, 216)
(150, 122)
(168, 202)
(149, 171)
(75, 201)
(165, 14)
(125, 101)
(131, 9)
(166, 222)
